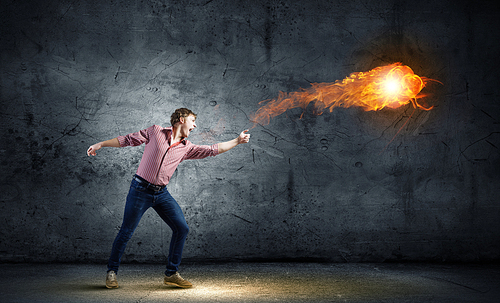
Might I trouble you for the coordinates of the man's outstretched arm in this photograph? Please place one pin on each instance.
(108, 143)
(242, 138)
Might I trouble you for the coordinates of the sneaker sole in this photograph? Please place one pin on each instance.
(174, 284)
(111, 286)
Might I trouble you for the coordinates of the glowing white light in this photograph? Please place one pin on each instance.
(392, 86)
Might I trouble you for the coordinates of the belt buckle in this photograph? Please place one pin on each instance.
(154, 187)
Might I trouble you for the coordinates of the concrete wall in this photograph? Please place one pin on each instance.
(318, 187)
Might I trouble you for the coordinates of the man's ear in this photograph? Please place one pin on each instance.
(182, 120)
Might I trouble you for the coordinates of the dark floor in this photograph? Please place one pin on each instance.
(255, 282)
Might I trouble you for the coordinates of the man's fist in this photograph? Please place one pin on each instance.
(244, 137)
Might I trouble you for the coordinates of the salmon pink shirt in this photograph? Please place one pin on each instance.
(160, 160)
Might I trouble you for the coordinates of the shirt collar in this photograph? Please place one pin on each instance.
(169, 131)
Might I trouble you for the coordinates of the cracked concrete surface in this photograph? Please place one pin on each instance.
(331, 187)
(256, 282)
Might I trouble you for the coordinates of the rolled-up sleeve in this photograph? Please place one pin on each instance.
(202, 151)
(135, 139)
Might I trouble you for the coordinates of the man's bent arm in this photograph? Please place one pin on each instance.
(242, 138)
(108, 143)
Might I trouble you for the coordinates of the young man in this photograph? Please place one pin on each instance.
(165, 149)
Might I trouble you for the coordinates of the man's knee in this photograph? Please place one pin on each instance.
(183, 229)
(125, 233)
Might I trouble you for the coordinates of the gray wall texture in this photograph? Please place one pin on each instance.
(324, 187)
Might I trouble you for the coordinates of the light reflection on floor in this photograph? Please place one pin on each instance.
(307, 287)
(292, 286)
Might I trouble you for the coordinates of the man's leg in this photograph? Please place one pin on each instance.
(138, 201)
(168, 209)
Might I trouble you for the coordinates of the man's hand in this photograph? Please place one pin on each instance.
(244, 137)
(108, 143)
(92, 150)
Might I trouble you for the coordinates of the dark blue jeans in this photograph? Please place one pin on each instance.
(139, 200)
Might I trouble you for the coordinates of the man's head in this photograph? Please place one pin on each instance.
(183, 121)
(180, 113)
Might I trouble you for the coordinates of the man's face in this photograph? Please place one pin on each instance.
(187, 125)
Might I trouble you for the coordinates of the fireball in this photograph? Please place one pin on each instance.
(391, 86)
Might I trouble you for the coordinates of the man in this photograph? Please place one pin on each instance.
(165, 149)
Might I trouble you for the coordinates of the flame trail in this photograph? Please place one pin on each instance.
(390, 86)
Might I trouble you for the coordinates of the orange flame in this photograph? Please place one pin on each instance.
(390, 86)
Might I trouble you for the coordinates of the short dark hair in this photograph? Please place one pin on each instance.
(180, 112)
